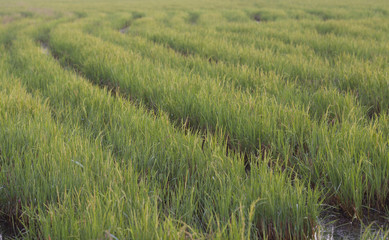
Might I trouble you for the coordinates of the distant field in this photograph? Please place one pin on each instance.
(193, 119)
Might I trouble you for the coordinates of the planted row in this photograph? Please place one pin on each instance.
(57, 182)
(367, 81)
(338, 158)
(321, 103)
(194, 182)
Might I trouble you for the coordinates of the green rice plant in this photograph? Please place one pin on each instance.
(371, 232)
(251, 123)
(242, 77)
(193, 17)
(55, 181)
(201, 119)
(194, 183)
(330, 72)
(267, 15)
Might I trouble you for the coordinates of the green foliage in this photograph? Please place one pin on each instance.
(192, 121)
(193, 17)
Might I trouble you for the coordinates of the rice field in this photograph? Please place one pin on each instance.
(194, 119)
